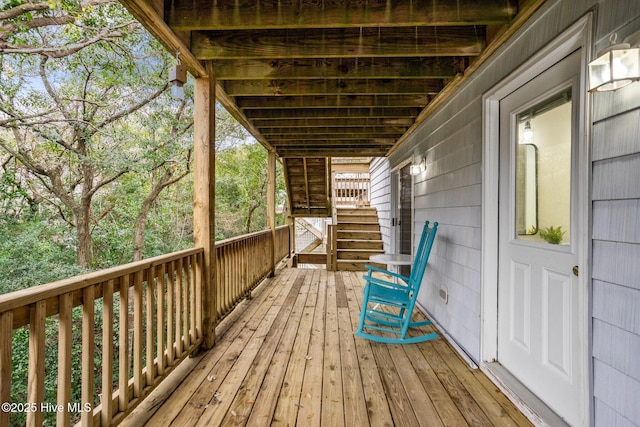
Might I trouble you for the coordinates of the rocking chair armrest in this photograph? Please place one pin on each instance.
(386, 283)
(382, 270)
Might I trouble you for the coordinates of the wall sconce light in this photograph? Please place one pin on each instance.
(418, 168)
(527, 133)
(616, 66)
(177, 78)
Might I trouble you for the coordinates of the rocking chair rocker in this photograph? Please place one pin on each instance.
(388, 306)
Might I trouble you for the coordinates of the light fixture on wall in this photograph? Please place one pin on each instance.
(616, 66)
(418, 168)
(177, 78)
(527, 133)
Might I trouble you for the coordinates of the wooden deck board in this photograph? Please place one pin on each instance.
(310, 410)
(290, 358)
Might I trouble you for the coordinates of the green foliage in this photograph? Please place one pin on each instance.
(92, 111)
(552, 234)
(34, 252)
(96, 130)
(241, 185)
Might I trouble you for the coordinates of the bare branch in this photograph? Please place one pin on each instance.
(45, 21)
(52, 93)
(24, 158)
(132, 108)
(16, 118)
(22, 9)
(41, 6)
(58, 51)
(107, 181)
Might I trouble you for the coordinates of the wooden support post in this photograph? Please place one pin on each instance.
(291, 222)
(204, 197)
(271, 207)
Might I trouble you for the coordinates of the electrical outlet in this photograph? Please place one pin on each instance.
(444, 294)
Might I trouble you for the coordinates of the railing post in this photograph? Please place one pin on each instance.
(6, 335)
(35, 390)
(204, 197)
(271, 207)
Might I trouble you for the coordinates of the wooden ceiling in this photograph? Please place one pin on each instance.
(315, 78)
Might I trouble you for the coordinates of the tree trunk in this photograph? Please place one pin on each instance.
(141, 221)
(252, 209)
(83, 234)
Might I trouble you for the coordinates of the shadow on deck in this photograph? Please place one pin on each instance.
(289, 357)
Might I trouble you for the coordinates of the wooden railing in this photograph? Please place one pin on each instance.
(351, 189)
(158, 324)
(119, 332)
(242, 263)
(284, 235)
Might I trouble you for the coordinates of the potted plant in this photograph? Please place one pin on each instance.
(552, 234)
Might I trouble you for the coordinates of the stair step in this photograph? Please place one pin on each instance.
(359, 254)
(359, 244)
(359, 211)
(349, 218)
(358, 235)
(362, 226)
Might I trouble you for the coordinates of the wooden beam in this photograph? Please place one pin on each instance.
(342, 151)
(333, 113)
(322, 140)
(151, 19)
(271, 206)
(263, 124)
(307, 197)
(328, 183)
(231, 106)
(338, 167)
(339, 68)
(336, 43)
(332, 101)
(204, 197)
(332, 86)
(234, 15)
(312, 257)
(330, 131)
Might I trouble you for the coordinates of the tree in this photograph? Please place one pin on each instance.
(241, 185)
(83, 98)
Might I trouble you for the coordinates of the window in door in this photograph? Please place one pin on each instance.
(543, 172)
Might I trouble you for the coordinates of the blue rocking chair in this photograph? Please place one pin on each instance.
(388, 306)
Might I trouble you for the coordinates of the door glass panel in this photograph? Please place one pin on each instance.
(543, 172)
(405, 216)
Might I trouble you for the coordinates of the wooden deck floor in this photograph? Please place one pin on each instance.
(289, 357)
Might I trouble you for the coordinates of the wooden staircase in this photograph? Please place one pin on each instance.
(308, 184)
(358, 237)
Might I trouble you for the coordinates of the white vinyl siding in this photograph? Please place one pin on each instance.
(449, 191)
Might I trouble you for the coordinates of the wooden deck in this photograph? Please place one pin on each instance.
(289, 357)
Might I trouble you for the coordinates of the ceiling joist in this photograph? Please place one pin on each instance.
(189, 15)
(334, 77)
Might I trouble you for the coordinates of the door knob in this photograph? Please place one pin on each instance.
(576, 270)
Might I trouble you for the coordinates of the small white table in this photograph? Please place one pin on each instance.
(392, 260)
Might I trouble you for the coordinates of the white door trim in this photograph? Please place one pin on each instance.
(578, 35)
(395, 188)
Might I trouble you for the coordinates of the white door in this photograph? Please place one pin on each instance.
(539, 239)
